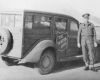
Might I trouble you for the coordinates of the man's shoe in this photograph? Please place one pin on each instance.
(93, 69)
(86, 68)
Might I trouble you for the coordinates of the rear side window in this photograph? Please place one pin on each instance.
(43, 20)
(29, 20)
(32, 21)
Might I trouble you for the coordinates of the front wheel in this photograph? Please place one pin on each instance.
(47, 62)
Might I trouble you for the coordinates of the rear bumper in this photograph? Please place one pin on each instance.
(10, 59)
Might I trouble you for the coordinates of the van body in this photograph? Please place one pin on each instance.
(38, 37)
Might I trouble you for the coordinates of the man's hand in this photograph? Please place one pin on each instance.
(78, 45)
(95, 44)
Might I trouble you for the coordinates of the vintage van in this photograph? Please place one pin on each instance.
(38, 37)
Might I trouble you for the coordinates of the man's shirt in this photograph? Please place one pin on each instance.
(86, 31)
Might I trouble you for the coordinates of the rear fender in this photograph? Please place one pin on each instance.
(35, 54)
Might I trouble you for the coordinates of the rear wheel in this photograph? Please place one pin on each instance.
(47, 62)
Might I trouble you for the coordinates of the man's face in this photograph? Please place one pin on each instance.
(86, 18)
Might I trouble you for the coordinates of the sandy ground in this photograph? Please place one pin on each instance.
(72, 70)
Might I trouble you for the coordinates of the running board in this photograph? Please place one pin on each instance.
(71, 58)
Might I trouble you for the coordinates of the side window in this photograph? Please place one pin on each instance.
(42, 21)
(45, 21)
(73, 26)
(32, 21)
(29, 20)
(61, 23)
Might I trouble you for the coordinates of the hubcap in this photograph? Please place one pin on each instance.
(1, 40)
(3, 44)
(46, 62)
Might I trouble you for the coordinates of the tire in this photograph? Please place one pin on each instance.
(47, 62)
(5, 41)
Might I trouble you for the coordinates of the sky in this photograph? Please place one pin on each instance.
(74, 8)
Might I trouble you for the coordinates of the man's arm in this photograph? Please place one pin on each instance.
(79, 34)
(94, 35)
(94, 32)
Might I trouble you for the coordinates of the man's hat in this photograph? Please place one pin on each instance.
(86, 14)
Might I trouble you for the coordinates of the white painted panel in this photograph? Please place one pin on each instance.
(14, 23)
(17, 37)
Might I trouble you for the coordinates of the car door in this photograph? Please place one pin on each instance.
(61, 36)
(73, 31)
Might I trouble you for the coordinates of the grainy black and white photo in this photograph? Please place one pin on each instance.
(49, 40)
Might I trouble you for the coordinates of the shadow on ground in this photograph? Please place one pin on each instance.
(68, 65)
(61, 66)
(31, 65)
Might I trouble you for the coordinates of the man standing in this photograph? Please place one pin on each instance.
(87, 40)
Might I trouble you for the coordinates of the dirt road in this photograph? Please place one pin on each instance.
(64, 71)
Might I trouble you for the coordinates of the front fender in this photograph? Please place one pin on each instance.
(35, 53)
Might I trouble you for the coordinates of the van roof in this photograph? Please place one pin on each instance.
(51, 13)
